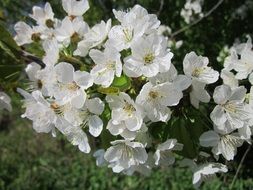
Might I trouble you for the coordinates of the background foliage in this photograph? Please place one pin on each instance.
(38, 161)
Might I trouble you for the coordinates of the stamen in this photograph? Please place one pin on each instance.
(149, 58)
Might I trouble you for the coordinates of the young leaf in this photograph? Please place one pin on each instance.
(122, 82)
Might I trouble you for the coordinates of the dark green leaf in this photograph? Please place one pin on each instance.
(7, 38)
(9, 70)
(180, 130)
(156, 130)
(7, 50)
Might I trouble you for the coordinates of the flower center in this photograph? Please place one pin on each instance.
(35, 37)
(198, 71)
(111, 65)
(128, 35)
(73, 86)
(228, 139)
(229, 107)
(127, 151)
(75, 38)
(129, 108)
(49, 23)
(149, 58)
(39, 84)
(72, 17)
(56, 108)
(153, 94)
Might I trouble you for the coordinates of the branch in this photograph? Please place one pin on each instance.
(31, 58)
(160, 8)
(240, 165)
(198, 20)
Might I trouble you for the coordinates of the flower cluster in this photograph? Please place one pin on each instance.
(232, 116)
(191, 10)
(112, 82)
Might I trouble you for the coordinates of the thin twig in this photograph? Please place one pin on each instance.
(160, 8)
(31, 58)
(240, 165)
(198, 20)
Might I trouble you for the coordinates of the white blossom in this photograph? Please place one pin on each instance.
(88, 115)
(163, 154)
(39, 110)
(198, 93)
(144, 169)
(155, 99)
(31, 70)
(134, 24)
(47, 79)
(222, 144)
(108, 64)
(240, 59)
(43, 16)
(71, 84)
(206, 172)
(231, 106)
(192, 8)
(163, 29)
(231, 60)
(71, 30)
(149, 57)
(138, 14)
(244, 66)
(26, 34)
(127, 116)
(196, 68)
(74, 134)
(181, 82)
(229, 78)
(95, 37)
(124, 153)
(75, 7)
(52, 49)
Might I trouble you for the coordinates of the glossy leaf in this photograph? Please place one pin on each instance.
(180, 130)
(123, 83)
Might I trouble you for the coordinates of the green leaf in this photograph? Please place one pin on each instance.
(157, 130)
(122, 82)
(8, 44)
(198, 123)
(7, 50)
(106, 137)
(9, 70)
(36, 49)
(2, 15)
(7, 38)
(180, 130)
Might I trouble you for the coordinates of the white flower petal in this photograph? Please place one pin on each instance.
(209, 139)
(95, 125)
